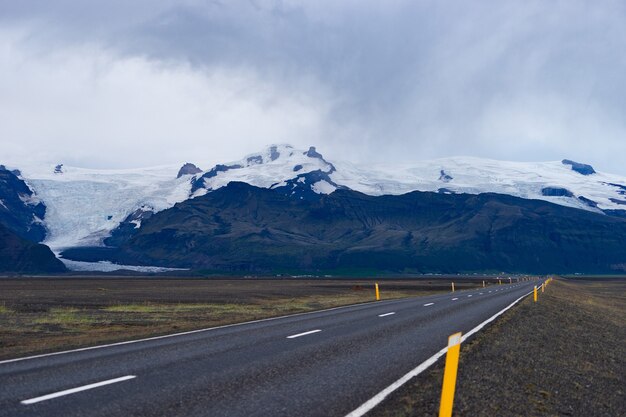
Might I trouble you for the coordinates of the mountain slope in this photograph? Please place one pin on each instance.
(18, 255)
(20, 210)
(244, 228)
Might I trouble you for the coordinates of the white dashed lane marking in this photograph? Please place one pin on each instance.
(77, 389)
(303, 334)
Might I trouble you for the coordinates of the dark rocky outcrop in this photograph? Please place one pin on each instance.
(297, 168)
(583, 169)
(444, 177)
(274, 154)
(619, 202)
(241, 228)
(588, 202)
(556, 192)
(255, 159)
(129, 226)
(18, 211)
(18, 255)
(188, 169)
(58, 169)
(198, 183)
(312, 153)
(622, 188)
(301, 187)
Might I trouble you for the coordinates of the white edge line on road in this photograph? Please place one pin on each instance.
(147, 339)
(378, 398)
(454, 299)
(75, 390)
(428, 304)
(293, 336)
(387, 314)
(166, 336)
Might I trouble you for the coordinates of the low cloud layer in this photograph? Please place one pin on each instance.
(114, 84)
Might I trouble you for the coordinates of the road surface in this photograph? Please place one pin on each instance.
(325, 363)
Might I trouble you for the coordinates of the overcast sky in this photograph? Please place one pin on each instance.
(122, 83)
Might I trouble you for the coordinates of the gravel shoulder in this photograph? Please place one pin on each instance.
(562, 356)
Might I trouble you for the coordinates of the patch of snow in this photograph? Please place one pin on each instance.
(27, 199)
(323, 187)
(106, 266)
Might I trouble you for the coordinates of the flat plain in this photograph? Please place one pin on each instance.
(40, 315)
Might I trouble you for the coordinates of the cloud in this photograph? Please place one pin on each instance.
(88, 107)
(396, 80)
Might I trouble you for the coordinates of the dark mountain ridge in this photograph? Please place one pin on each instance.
(18, 255)
(242, 228)
(21, 227)
(17, 210)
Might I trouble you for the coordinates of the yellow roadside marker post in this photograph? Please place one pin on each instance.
(453, 287)
(483, 283)
(542, 287)
(510, 280)
(535, 294)
(449, 375)
(377, 292)
(499, 282)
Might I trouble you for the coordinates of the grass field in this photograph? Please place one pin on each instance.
(42, 315)
(563, 356)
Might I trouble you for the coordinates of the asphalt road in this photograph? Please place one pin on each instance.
(324, 363)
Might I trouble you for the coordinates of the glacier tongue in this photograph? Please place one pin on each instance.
(84, 205)
(106, 266)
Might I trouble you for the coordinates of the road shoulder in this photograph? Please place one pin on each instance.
(564, 355)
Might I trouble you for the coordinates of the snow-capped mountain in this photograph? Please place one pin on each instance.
(556, 182)
(273, 168)
(567, 183)
(84, 205)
